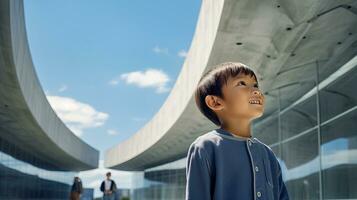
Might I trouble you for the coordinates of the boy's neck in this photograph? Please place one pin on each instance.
(239, 128)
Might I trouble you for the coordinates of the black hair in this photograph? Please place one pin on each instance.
(213, 80)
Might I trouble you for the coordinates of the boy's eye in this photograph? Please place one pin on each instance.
(241, 82)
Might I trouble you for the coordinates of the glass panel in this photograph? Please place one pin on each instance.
(339, 96)
(339, 157)
(267, 130)
(163, 182)
(28, 181)
(301, 166)
(299, 118)
(294, 81)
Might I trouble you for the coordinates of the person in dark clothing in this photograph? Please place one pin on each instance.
(108, 187)
(77, 189)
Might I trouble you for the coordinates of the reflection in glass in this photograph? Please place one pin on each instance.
(267, 131)
(299, 118)
(339, 157)
(317, 151)
(300, 163)
(163, 182)
(339, 96)
(20, 180)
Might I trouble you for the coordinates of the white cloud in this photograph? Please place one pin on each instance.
(160, 50)
(151, 78)
(112, 132)
(62, 88)
(77, 115)
(182, 53)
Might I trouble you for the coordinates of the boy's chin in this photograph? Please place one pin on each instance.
(257, 115)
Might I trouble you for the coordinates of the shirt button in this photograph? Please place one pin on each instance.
(259, 194)
(256, 168)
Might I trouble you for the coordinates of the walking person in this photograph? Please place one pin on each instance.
(77, 189)
(108, 187)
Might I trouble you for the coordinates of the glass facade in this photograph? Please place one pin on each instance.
(21, 180)
(163, 182)
(312, 131)
(314, 135)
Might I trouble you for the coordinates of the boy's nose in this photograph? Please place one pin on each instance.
(257, 92)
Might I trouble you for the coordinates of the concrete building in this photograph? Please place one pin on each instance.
(305, 55)
(39, 155)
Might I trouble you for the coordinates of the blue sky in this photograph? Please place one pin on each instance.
(108, 66)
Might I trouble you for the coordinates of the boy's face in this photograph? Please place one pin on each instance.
(239, 95)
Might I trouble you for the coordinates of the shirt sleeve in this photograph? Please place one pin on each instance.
(102, 187)
(114, 186)
(80, 187)
(283, 192)
(198, 186)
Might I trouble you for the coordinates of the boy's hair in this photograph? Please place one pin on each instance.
(212, 81)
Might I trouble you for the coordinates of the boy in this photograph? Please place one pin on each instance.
(228, 163)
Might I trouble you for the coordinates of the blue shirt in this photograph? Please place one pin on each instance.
(222, 166)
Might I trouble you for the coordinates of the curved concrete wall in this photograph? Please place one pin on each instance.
(139, 150)
(26, 117)
(267, 36)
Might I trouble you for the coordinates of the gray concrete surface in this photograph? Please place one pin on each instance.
(26, 117)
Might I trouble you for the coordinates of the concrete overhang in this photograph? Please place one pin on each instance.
(26, 117)
(283, 41)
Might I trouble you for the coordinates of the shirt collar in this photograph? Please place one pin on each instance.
(232, 136)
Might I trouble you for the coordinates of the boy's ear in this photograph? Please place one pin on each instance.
(214, 102)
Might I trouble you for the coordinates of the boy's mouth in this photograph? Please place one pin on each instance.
(255, 101)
